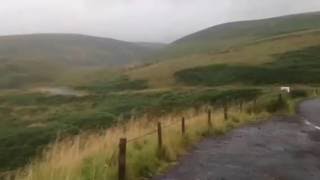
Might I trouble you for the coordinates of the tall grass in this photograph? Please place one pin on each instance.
(31, 121)
(92, 156)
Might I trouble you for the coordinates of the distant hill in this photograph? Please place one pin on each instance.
(228, 35)
(198, 58)
(247, 42)
(73, 49)
(42, 58)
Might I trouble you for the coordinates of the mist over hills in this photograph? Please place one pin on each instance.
(39, 58)
(75, 49)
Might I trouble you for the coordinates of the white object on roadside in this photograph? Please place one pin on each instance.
(287, 89)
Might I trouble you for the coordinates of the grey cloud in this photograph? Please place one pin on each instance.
(137, 20)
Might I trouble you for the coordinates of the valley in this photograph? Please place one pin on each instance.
(58, 87)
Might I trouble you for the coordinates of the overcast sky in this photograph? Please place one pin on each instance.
(137, 20)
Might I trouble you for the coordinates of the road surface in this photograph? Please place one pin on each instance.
(281, 149)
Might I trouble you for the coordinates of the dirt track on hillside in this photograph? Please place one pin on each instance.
(280, 149)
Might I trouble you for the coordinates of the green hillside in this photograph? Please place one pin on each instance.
(232, 34)
(296, 67)
(251, 56)
(42, 58)
(19, 54)
(72, 49)
(16, 74)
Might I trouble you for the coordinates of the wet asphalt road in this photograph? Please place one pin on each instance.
(281, 149)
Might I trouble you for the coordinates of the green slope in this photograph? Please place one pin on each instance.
(296, 67)
(17, 74)
(41, 58)
(73, 49)
(232, 34)
(253, 54)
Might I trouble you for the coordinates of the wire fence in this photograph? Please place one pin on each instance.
(249, 106)
(119, 154)
(159, 134)
(152, 132)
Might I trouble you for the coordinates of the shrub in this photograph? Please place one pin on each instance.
(299, 93)
(279, 104)
(294, 67)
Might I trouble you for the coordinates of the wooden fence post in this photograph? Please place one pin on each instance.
(255, 104)
(12, 176)
(159, 135)
(225, 111)
(122, 158)
(280, 97)
(183, 126)
(209, 119)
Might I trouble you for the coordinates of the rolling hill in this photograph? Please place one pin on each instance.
(41, 58)
(73, 49)
(250, 43)
(232, 34)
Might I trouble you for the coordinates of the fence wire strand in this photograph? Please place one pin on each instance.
(152, 132)
(142, 136)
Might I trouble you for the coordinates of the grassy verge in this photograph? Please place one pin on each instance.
(31, 121)
(71, 119)
(93, 156)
